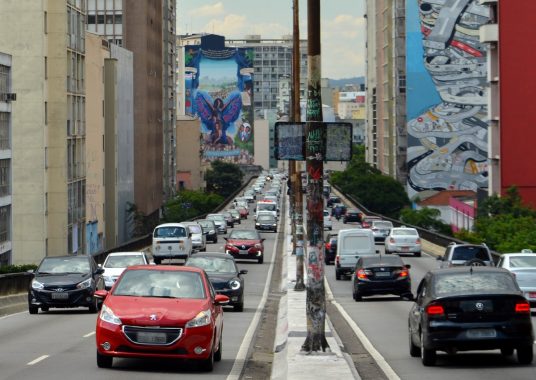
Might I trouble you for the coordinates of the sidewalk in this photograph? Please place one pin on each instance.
(289, 362)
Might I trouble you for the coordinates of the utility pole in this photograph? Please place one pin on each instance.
(297, 224)
(315, 133)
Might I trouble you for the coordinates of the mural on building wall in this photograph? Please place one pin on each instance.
(447, 95)
(219, 90)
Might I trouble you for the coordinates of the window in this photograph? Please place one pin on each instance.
(5, 223)
(4, 131)
(4, 177)
(91, 19)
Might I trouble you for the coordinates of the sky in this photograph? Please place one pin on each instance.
(343, 27)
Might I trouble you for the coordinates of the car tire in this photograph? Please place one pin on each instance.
(104, 361)
(418, 254)
(525, 355)
(387, 252)
(239, 307)
(507, 351)
(33, 309)
(337, 275)
(94, 306)
(414, 350)
(44, 308)
(356, 296)
(260, 260)
(215, 240)
(428, 356)
(207, 365)
(218, 354)
(157, 261)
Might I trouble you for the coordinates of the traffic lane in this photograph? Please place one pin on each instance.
(383, 319)
(60, 338)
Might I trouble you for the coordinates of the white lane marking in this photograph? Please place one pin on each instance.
(241, 356)
(382, 363)
(38, 360)
(89, 334)
(12, 315)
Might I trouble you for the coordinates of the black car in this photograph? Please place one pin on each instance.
(223, 275)
(332, 200)
(330, 248)
(266, 222)
(64, 282)
(209, 229)
(381, 275)
(470, 308)
(352, 215)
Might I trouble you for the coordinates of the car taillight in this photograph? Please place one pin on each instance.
(328, 246)
(523, 307)
(361, 273)
(403, 273)
(337, 258)
(418, 241)
(392, 240)
(435, 310)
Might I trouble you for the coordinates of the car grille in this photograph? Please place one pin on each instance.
(154, 336)
(145, 350)
(243, 246)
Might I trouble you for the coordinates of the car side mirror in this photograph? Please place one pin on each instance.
(408, 266)
(100, 294)
(262, 240)
(99, 271)
(220, 299)
(243, 271)
(439, 258)
(225, 238)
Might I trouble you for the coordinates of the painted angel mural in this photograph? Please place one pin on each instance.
(218, 115)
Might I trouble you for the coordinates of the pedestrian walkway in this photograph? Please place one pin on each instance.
(289, 362)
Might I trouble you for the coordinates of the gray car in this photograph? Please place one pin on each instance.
(209, 230)
(199, 241)
(523, 266)
(466, 254)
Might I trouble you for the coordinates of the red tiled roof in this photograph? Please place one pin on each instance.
(442, 198)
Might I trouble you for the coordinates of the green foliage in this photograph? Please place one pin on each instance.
(426, 218)
(504, 224)
(189, 204)
(17, 268)
(223, 178)
(379, 193)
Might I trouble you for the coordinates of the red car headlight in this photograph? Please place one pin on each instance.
(201, 319)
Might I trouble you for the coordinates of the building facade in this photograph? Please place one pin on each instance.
(48, 143)
(6, 154)
(386, 88)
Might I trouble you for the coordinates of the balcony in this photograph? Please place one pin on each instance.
(489, 33)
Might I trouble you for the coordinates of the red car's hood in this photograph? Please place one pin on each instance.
(243, 241)
(153, 311)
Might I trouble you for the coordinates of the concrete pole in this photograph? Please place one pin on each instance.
(296, 117)
(314, 154)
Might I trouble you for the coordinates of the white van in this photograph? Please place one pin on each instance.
(351, 244)
(171, 241)
(268, 206)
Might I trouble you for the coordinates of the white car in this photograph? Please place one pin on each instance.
(403, 240)
(523, 266)
(328, 225)
(199, 240)
(117, 262)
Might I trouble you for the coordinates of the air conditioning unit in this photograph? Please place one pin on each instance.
(10, 96)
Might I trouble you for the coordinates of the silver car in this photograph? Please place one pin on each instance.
(403, 240)
(380, 229)
(327, 220)
(199, 240)
(523, 266)
(219, 221)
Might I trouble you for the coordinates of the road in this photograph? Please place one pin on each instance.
(383, 319)
(60, 344)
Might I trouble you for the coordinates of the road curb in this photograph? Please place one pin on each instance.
(14, 303)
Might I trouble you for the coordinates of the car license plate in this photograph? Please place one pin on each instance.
(481, 333)
(405, 249)
(243, 251)
(383, 274)
(60, 296)
(151, 337)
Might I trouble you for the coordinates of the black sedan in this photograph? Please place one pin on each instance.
(470, 308)
(330, 248)
(352, 215)
(381, 275)
(223, 274)
(266, 222)
(64, 282)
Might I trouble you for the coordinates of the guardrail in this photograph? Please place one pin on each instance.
(14, 283)
(432, 237)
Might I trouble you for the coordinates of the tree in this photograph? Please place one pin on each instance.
(378, 192)
(189, 204)
(425, 218)
(223, 178)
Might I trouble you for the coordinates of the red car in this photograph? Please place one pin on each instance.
(244, 212)
(245, 245)
(156, 311)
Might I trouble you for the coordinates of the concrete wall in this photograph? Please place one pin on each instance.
(188, 153)
(262, 143)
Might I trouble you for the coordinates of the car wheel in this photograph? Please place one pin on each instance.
(217, 355)
(104, 361)
(337, 275)
(508, 351)
(157, 261)
(33, 309)
(239, 307)
(207, 365)
(275, 231)
(44, 308)
(260, 260)
(524, 355)
(357, 297)
(215, 240)
(387, 252)
(326, 261)
(428, 356)
(414, 350)
(94, 307)
(418, 254)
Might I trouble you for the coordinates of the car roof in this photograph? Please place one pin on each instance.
(170, 268)
(170, 225)
(220, 255)
(126, 253)
(67, 257)
(465, 269)
(518, 254)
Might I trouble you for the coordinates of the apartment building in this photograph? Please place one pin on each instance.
(47, 43)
